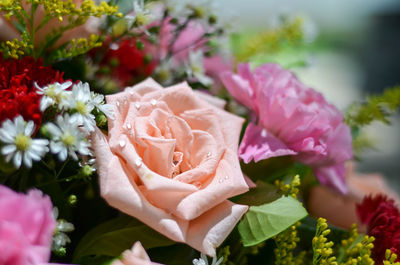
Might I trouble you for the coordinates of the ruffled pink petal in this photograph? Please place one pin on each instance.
(239, 88)
(333, 177)
(257, 144)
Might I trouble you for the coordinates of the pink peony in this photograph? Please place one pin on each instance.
(135, 256)
(26, 227)
(170, 160)
(292, 119)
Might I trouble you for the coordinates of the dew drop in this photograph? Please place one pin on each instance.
(137, 105)
(264, 133)
(129, 126)
(131, 92)
(118, 103)
(209, 154)
(153, 102)
(138, 162)
(114, 46)
(226, 177)
(122, 143)
(197, 184)
(220, 180)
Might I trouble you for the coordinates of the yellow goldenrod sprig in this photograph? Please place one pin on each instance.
(322, 248)
(16, 48)
(356, 249)
(286, 242)
(78, 47)
(390, 258)
(289, 189)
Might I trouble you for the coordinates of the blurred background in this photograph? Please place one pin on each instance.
(355, 52)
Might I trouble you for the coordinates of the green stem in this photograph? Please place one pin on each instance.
(32, 30)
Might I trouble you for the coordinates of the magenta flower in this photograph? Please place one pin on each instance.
(26, 227)
(292, 119)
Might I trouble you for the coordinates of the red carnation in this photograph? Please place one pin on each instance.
(383, 222)
(128, 63)
(17, 91)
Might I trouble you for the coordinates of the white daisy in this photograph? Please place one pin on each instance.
(203, 260)
(55, 93)
(81, 102)
(164, 72)
(195, 68)
(19, 145)
(98, 101)
(140, 14)
(67, 138)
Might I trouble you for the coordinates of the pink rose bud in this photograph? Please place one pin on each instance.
(135, 256)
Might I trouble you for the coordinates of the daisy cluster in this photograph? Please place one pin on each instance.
(73, 108)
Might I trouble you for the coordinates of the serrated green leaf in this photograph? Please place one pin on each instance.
(113, 237)
(265, 221)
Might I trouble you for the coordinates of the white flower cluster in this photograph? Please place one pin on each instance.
(60, 238)
(203, 260)
(68, 134)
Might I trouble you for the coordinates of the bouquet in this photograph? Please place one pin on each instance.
(151, 133)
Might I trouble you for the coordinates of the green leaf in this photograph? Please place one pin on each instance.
(261, 194)
(113, 237)
(263, 222)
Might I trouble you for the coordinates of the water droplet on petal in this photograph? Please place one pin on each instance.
(129, 126)
(197, 184)
(114, 46)
(209, 154)
(137, 105)
(138, 162)
(118, 103)
(131, 92)
(226, 177)
(220, 180)
(264, 133)
(153, 102)
(122, 143)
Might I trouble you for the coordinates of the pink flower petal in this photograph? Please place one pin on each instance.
(258, 144)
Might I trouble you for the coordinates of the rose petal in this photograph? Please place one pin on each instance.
(210, 229)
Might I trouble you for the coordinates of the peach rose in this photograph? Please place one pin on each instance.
(170, 160)
(339, 209)
(136, 256)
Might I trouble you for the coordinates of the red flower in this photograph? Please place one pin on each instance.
(17, 91)
(383, 222)
(128, 63)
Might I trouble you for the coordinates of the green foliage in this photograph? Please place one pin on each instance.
(113, 237)
(272, 40)
(375, 108)
(263, 222)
